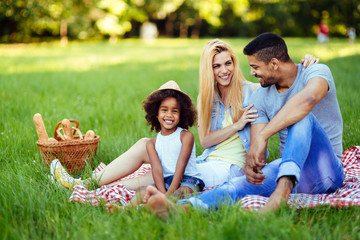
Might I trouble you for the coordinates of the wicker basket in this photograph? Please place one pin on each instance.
(73, 154)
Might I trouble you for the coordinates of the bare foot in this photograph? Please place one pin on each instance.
(279, 196)
(111, 208)
(158, 202)
(149, 191)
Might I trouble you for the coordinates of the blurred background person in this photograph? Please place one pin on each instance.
(323, 32)
(351, 33)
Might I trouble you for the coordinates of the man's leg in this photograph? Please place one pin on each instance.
(309, 156)
(235, 189)
(308, 159)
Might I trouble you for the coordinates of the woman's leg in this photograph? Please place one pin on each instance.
(125, 164)
(214, 172)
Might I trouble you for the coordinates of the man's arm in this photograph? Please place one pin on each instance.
(252, 168)
(293, 111)
(297, 107)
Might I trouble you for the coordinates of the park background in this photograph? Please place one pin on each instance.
(85, 60)
(40, 20)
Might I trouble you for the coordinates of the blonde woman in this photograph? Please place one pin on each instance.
(223, 113)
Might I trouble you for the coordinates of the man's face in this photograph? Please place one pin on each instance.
(262, 71)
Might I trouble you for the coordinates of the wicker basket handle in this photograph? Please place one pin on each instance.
(72, 121)
(58, 133)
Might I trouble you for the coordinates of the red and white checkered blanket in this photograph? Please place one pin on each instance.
(347, 195)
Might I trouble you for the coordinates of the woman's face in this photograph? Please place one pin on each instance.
(223, 68)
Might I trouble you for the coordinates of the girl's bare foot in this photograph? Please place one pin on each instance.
(149, 191)
(158, 202)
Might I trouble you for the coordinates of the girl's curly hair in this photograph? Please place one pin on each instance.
(152, 103)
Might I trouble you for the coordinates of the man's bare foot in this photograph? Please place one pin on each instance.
(279, 196)
(111, 208)
(158, 202)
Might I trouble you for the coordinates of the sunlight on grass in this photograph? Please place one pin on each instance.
(102, 86)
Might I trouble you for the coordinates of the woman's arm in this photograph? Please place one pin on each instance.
(212, 138)
(187, 140)
(156, 168)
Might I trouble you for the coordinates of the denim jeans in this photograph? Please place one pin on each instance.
(308, 155)
(194, 183)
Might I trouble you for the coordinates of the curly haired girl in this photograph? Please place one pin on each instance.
(170, 112)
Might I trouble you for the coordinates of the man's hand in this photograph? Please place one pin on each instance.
(254, 175)
(256, 157)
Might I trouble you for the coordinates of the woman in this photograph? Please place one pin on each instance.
(223, 113)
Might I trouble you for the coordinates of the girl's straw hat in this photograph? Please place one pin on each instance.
(173, 86)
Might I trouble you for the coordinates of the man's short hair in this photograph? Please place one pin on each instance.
(267, 46)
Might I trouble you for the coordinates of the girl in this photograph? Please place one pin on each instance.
(170, 112)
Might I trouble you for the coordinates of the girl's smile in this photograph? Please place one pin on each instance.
(169, 115)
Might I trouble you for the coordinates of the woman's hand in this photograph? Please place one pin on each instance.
(309, 60)
(248, 116)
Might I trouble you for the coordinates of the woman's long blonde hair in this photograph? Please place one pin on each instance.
(208, 87)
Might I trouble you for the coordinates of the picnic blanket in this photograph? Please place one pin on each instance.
(347, 195)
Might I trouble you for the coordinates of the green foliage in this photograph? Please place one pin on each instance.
(103, 85)
(24, 21)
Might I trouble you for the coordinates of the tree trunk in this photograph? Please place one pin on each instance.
(169, 27)
(63, 33)
(196, 31)
(183, 30)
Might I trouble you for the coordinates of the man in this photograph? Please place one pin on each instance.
(301, 106)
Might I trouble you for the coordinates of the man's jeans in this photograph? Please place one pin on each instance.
(308, 155)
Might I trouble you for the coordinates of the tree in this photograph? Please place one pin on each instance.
(22, 20)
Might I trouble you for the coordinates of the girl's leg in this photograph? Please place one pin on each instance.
(125, 164)
(182, 192)
(135, 183)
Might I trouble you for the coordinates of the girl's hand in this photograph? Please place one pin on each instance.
(309, 60)
(248, 116)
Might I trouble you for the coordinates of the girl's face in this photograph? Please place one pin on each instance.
(223, 68)
(169, 115)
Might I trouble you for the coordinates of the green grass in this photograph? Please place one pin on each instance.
(103, 86)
